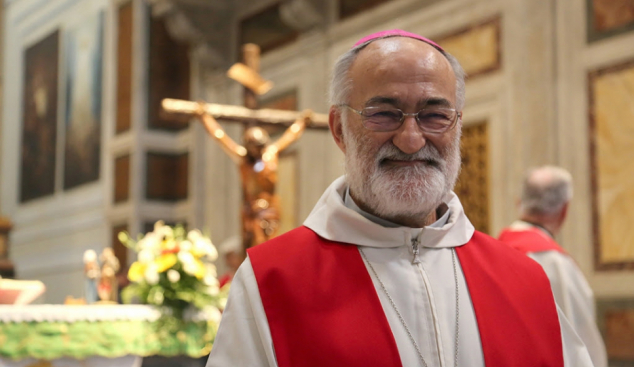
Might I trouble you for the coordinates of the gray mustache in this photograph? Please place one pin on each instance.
(428, 154)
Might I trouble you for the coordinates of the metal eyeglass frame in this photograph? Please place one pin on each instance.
(403, 115)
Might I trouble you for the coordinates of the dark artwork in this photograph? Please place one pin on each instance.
(84, 58)
(124, 69)
(266, 29)
(167, 176)
(348, 8)
(39, 134)
(169, 76)
(607, 18)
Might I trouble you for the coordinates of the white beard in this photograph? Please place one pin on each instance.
(392, 192)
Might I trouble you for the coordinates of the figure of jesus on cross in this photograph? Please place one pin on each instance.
(257, 161)
(257, 157)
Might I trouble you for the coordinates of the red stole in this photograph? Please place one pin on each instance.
(323, 310)
(529, 240)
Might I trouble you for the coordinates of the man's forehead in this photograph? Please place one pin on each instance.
(399, 55)
(396, 33)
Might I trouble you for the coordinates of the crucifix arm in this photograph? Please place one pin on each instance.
(293, 132)
(233, 149)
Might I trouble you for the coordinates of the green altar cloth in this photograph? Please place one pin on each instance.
(103, 334)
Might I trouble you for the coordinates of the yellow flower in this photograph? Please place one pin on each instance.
(200, 269)
(136, 271)
(165, 262)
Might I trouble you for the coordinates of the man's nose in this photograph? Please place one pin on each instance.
(409, 138)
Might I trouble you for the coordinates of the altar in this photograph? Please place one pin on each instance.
(98, 335)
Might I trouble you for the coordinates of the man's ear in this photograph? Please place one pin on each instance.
(336, 127)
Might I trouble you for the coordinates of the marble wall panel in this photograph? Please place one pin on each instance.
(612, 171)
(616, 322)
(477, 47)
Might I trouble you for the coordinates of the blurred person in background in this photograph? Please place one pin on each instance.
(546, 194)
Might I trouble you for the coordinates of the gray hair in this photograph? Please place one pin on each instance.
(340, 83)
(546, 190)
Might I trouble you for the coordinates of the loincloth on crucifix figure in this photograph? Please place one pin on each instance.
(258, 163)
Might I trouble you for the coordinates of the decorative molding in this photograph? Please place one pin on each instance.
(610, 220)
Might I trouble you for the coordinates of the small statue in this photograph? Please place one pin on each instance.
(108, 287)
(92, 272)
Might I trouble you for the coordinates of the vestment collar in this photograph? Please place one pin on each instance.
(332, 220)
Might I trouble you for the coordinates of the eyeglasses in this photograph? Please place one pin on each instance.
(435, 120)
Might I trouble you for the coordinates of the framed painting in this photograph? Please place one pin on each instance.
(39, 124)
(84, 60)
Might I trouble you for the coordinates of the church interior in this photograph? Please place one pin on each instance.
(92, 159)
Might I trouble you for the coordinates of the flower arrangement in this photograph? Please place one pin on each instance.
(173, 270)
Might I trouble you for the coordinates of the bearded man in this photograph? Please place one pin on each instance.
(387, 270)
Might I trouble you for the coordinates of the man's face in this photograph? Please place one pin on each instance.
(405, 173)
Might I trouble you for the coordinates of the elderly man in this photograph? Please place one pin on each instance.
(546, 193)
(387, 270)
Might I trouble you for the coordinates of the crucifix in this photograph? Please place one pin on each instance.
(257, 157)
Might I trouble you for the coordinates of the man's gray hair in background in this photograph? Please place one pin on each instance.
(546, 190)
(340, 83)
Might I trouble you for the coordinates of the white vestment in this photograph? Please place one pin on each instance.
(423, 293)
(572, 294)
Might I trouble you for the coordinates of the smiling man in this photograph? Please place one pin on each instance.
(387, 270)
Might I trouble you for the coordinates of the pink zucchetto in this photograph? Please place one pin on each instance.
(396, 33)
